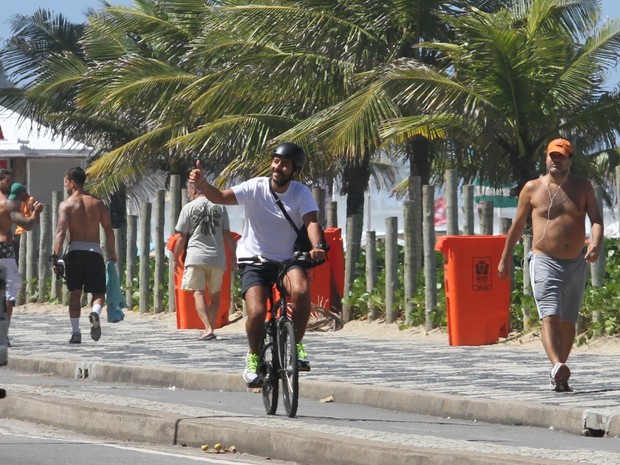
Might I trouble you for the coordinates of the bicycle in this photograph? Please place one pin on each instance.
(278, 351)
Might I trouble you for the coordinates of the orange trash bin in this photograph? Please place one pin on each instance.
(327, 279)
(187, 316)
(477, 300)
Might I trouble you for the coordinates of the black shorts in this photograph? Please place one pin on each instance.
(85, 270)
(264, 275)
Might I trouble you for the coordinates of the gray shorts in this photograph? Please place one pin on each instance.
(558, 285)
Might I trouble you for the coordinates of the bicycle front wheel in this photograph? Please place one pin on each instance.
(289, 371)
(269, 372)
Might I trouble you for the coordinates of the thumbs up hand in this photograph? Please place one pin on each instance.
(196, 176)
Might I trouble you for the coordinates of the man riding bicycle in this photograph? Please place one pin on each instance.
(267, 232)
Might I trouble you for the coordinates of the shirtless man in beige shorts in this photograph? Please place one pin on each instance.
(81, 214)
(558, 204)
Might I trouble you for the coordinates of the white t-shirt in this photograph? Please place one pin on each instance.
(206, 223)
(266, 231)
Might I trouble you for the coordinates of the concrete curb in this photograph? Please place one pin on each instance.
(572, 420)
(131, 424)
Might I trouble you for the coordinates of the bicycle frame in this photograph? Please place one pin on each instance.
(278, 352)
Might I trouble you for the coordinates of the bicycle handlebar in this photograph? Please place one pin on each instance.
(299, 258)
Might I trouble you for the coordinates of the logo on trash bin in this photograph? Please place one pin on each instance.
(482, 273)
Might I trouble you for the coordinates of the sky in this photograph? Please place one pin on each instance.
(75, 11)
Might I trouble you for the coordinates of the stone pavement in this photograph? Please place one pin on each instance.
(496, 383)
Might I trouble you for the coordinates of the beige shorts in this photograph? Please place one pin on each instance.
(199, 277)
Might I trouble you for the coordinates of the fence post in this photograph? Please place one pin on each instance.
(56, 289)
(527, 284)
(597, 269)
(371, 272)
(485, 213)
(391, 267)
(468, 210)
(452, 202)
(64, 291)
(350, 262)
(504, 225)
(31, 263)
(120, 243)
(158, 279)
(44, 252)
(175, 209)
(332, 214)
(319, 197)
(410, 273)
(145, 259)
(23, 252)
(430, 272)
(130, 270)
(618, 194)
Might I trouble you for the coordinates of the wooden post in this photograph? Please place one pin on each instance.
(371, 271)
(618, 194)
(597, 269)
(175, 209)
(504, 225)
(31, 262)
(57, 283)
(452, 202)
(410, 273)
(23, 259)
(485, 213)
(64, 290)
(430, 272)
(391, 267)
(350, 262)
(332, 214)
(468, 210)
(132, 252)
(120, 243)
(184, 197)
(44, 252)
(319, 197)
(527, 283)
(145, 259)
(158, 279)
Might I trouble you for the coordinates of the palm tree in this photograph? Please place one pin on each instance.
(318, 68)
(514, 80)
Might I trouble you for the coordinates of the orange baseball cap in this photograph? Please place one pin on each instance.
(561, 146)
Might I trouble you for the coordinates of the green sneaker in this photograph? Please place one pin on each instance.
(250, 374)
(302, 358)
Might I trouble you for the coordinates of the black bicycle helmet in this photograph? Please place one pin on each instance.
(291, 151)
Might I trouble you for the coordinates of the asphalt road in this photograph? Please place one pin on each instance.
(333, 416)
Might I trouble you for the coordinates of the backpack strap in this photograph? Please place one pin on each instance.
(279, 203)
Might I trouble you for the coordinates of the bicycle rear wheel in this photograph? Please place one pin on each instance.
(269, 368)
(289, 371)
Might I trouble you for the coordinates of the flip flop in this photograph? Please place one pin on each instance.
(207, 337)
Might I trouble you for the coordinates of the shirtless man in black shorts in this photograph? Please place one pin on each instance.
(10, 214)
(82, 214)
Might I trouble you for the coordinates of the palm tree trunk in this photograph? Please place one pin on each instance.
(355, 179)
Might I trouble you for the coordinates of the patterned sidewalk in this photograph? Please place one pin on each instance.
(495, 372)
